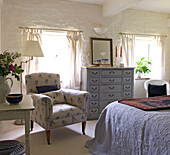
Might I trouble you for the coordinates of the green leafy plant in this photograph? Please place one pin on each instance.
(7, 65)
(143, 66)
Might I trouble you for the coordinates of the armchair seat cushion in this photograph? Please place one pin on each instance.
(61, 111)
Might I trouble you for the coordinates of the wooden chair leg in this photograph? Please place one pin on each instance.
(48, 136)
(32, 125)
(83, 127)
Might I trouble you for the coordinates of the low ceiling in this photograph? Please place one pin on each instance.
(112, 7)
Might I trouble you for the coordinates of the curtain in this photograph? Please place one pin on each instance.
(128, 43)
(160, 43)
(31, 66)
(74, 39)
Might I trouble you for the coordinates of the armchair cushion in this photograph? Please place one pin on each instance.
(43, 89)
(156, 90)
(61, 111)
(56, 96)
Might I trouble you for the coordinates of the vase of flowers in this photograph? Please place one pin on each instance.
(8, 67)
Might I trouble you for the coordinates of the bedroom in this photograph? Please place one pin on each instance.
(73, 15)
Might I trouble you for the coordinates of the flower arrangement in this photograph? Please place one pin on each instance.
(7, 65)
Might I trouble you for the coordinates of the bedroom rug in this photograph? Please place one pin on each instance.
(151, 103)
(64, 141)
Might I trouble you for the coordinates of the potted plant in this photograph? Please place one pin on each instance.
(143, 66)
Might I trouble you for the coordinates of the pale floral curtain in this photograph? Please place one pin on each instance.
(31, 66)
(160, 43)
(128, 43)
(74, 39)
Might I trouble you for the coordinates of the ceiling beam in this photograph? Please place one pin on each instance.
(112, 7)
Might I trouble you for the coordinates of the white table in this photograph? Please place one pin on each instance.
(19, 111)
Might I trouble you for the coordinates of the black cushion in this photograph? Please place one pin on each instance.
(156, 90)
(43, 89)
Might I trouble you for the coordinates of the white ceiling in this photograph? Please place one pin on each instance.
(112, 7)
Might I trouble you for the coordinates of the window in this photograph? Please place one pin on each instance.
(56, 55)
(147, 47)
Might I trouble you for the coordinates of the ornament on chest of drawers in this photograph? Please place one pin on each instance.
(118, 57)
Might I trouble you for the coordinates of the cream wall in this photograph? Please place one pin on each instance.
(1, 123)
(1, 3)
(50, 14)
(72, 15)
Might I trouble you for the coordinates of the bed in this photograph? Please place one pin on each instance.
(126, 130)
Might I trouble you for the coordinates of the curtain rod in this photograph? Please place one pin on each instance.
(143, 34)
(48, 29)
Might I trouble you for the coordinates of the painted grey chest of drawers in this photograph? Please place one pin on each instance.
(106, 84)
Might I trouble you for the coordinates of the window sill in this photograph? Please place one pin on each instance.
(142, 78)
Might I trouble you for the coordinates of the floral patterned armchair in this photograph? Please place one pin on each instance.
(56, 108)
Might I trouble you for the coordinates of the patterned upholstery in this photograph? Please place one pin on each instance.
(49, 113)
(41, 79)
(56, 96)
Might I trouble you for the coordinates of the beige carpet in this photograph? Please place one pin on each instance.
(64, 141)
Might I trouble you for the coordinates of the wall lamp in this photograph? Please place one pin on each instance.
(100, 30)
(30, 49)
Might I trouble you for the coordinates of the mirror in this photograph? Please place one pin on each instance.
(101, 51)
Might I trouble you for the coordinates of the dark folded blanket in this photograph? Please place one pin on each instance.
(151, 103)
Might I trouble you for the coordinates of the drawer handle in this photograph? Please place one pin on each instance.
(127, 94)
(94, 80)
(94, 95)
(127, 80)
(93, 103)
(111, 87)
(94, 73)
(111, 95)
(111, 80)
(128, 73)
(94, 88)
(127, 87)
(111, 72)
(94, 111)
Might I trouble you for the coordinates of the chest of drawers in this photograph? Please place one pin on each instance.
(106, 84)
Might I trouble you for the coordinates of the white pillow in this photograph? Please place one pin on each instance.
(56, 96)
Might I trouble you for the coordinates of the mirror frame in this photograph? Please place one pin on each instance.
(109, 40)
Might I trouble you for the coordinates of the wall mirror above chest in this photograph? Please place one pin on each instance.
(101, 51)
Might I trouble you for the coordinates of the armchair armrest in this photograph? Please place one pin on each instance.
(43, 107)
(77, 98)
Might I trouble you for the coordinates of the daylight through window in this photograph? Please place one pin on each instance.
(147, 47)
(56, 55)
